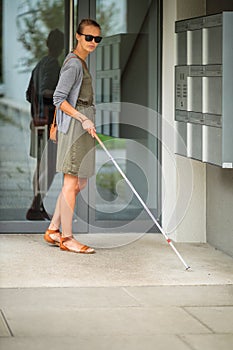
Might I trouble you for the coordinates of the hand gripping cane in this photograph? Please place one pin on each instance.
(141, 201)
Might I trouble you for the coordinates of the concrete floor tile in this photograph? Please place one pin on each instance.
(219, 319)
(182, 295)
(210, 341)
(66, 298)
(101, 343)
(92, 322)
(4, 329)
(149, 261)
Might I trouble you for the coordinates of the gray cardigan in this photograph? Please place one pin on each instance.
(67, 88)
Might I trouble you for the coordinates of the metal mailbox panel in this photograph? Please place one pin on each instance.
(213, 120)
(204, 87)
(212, 45)
(181, 116)
(181, 48)
(194, 141)
(181, 139)
(196, 118)
(227, 120)
(195, 47)
(212, 145)
(195, 94)
(212, 95)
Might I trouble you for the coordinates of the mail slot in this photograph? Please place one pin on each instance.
(181, 87)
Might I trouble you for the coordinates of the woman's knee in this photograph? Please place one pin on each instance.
(70, 183)
(73, 184)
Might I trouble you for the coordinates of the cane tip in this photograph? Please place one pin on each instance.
(187, 268)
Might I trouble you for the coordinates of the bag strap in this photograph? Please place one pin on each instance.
(75, 56)
(68, 59)
(54, 117)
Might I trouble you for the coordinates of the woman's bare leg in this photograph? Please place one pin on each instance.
(56, 219)
(71, 187)
(64, 210)
(69, 193)
(66, 200)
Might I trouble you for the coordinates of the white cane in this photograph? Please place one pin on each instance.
(142, 202)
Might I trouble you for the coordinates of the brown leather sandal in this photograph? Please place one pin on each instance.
(48, 238)
(84, 249)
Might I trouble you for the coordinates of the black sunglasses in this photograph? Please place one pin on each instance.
(89, 37)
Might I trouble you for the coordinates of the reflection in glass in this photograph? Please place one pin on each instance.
(26, 24)
(126, 97)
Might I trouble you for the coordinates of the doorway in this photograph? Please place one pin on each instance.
(126, 71)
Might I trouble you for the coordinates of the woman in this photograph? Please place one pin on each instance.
(73, 99)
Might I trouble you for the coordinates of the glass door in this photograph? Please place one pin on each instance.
(126, 70)
(40, 33)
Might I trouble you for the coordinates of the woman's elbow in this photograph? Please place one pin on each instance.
(58, 99)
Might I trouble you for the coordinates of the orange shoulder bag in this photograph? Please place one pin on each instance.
(53, 129)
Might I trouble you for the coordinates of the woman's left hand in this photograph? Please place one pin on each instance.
(92, 131)
(89, 126)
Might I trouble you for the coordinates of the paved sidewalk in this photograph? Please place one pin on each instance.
(135, 296)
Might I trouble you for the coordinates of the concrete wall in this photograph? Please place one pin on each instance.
(219, 184)
(184, 218)
(216, 6)
(190, 8)
(209, 216)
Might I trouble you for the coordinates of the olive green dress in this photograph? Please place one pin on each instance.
(76, 148)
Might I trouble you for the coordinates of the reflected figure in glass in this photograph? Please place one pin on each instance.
(39, 93)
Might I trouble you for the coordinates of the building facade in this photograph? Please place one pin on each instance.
(133, 73)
